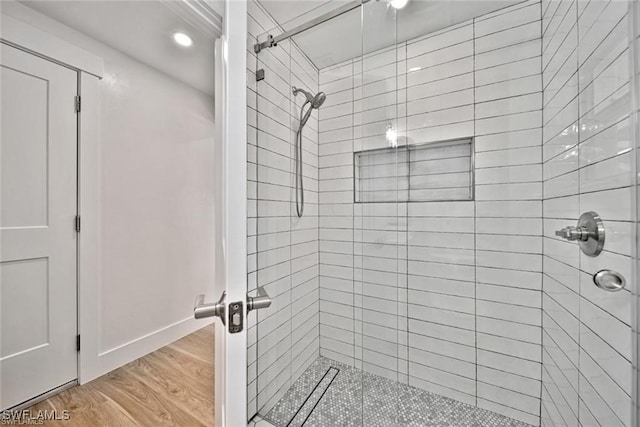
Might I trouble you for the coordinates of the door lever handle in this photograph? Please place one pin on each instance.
(202, 310)
(263, 300)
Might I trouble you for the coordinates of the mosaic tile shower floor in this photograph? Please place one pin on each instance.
(353, 397)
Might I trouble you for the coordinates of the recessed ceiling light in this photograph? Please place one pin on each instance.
(398, 4)
(182, 39)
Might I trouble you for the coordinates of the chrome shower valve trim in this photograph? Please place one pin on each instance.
(574, 233)
(589, 233)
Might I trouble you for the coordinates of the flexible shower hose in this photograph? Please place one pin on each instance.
(298, 161)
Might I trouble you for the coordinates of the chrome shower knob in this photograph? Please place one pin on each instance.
(589, 233)
(574, 233)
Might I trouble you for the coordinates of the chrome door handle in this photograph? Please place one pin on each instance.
(263, 300)
(609, 280)
(202, 311)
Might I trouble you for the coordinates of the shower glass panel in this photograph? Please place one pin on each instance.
(589, 166)
(270, 168)
(425, 282)
(289, 376)
(379, 228)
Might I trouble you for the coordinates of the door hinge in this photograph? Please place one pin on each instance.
(77, 342)
(77, 223)
(77, 103)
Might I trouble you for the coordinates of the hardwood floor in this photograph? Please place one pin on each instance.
(171, 386)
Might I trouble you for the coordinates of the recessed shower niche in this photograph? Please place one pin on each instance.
(434, 171)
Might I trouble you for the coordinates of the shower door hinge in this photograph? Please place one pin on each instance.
(78, 342)
(77, 103)
(77, 223)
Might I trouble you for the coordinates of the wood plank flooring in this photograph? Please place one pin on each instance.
(172, 386)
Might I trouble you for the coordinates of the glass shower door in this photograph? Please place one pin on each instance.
(273, 341)
(425, 282)
(589, 168)
(606, 180)
(299, 252)
(381, 190)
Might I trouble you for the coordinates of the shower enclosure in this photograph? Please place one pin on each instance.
(439, 273)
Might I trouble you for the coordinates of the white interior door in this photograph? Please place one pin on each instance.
(230, 221)
(37, 235)
(231, 365)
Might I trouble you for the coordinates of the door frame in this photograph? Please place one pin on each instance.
(90, 70)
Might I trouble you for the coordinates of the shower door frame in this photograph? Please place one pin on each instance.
(634, 50)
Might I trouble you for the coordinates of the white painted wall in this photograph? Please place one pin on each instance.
(157, 200)
(156, 197)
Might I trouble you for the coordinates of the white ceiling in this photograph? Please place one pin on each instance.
(143, 30)
(374, 27)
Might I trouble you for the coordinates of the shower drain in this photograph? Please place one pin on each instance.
(306, 409)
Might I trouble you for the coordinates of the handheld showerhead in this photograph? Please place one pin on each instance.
(318, 100)
(315, 102)
(296, 91)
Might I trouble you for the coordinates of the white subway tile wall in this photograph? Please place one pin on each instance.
(475, 300)
(445, 296)
(283, 249)
(587, 167)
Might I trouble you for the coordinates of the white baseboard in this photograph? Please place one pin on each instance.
(135, 349)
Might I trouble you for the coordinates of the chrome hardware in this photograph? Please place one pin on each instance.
(201, 310)
(263, 300)
(236, 317)
(609, 280)
(270, 42)
(574, 233)
(314, 102)
(273, 41)
(589, 233)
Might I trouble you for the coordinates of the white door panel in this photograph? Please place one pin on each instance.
(231, 221)
(235, 143)
(37, 237)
